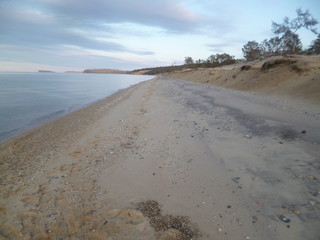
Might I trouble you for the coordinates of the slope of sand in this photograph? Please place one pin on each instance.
(294, 76)
(167, 159)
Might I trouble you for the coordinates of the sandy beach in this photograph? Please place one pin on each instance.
(167, 159)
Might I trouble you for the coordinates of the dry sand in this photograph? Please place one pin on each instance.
(167, 159)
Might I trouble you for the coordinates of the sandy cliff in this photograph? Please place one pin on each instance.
(296, 76)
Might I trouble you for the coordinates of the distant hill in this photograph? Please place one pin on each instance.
(45, 71)
(105, 71)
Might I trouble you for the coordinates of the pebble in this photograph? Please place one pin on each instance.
(316, 194)
(284, 219)
(297, 212)
(236, 179)
(312, 203)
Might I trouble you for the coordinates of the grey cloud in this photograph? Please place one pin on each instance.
(76, 22)
(169, 14)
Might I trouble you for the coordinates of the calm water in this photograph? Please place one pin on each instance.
(30, 99)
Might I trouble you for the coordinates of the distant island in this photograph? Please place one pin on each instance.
(45, 71)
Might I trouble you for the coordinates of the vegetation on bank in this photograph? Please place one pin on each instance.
(286, 41)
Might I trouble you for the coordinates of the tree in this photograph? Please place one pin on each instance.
(188, 60)
(270, 47)
(287, 30)
(251, 51)
(225, 59)
(220, 59)
(291, 43)
(315, 46)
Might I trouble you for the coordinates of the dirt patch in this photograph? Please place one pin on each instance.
(168, 226)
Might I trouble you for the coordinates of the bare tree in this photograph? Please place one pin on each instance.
(288, 28)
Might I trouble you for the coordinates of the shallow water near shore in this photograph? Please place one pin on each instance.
(30, 99)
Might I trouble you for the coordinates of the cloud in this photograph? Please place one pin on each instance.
(169, 14)
(87, 24)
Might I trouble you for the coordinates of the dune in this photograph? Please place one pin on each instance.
(294, 76)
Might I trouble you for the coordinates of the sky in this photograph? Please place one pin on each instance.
(73, 35)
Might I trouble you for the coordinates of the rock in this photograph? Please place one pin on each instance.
(297, 212)
(236, 179)
(284, 219)
(312, 203)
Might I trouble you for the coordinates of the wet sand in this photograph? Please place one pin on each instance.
(228, 164)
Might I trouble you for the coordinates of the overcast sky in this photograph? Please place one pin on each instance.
(62, 35)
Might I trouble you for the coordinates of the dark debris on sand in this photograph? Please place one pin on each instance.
(168, 226)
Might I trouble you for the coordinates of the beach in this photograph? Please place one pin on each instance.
(206, 161)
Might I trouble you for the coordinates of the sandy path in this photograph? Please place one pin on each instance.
(231, 161)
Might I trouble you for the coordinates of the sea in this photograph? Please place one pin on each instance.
(28, 100)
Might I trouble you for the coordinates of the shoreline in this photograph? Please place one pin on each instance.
(64, 128)
(22, 112)
(228, 162)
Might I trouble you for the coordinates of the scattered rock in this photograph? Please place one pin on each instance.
(284, 219)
